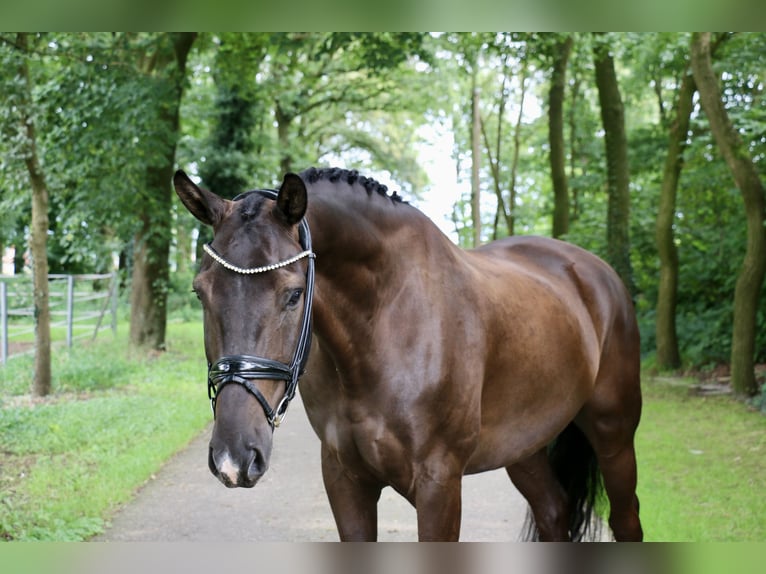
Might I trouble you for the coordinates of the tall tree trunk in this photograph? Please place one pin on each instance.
(574, 155)
(494, 157)
(18, 257)
(618, 206)
(494, 161)
(512, 192)
(41, 384)
(148, 301)
(556, 137)
(475, 155)
(747, 179)
(503, 208)
(668, 356)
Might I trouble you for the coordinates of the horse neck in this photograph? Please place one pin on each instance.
(350, 227)
(361, 241)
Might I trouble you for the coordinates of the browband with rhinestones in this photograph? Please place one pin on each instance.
(214, 254)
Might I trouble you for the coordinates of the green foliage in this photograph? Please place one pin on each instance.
(70, 460)
(98, 130)
(710, 225)
(258, 103)
(183, 304)
(315, 97)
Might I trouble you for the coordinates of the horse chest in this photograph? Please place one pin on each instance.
(370, 446)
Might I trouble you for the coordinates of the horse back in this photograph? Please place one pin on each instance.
(576, 275)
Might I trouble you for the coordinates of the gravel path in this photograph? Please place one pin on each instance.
(183, 502)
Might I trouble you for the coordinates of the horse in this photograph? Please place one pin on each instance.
(420, 362)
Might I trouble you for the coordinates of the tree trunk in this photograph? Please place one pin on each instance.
(747, 179)
(574, 155)
(18, 258)
(283, 136)
(148, 301)
(494, 157)
(618, 206)
(475, 155)
(495, 168)
(668, 356)
(556, 137)
(516, 150)
(41, 383)
(503, 208)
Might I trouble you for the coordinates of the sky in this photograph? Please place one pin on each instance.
(444, 190)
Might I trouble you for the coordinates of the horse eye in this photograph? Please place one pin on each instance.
(295, 296)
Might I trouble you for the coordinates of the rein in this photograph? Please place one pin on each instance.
(243, 369)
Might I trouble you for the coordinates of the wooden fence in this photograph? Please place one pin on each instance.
(78, 306)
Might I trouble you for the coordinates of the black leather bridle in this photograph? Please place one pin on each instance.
(244, 369)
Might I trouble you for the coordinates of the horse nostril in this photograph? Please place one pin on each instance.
(211, 462)
(257, 467)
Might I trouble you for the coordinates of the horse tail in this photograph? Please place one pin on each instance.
(576, 468)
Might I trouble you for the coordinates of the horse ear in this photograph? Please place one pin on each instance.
(202, 204)
(292, 199)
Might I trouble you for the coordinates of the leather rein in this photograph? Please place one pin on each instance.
(244, 369)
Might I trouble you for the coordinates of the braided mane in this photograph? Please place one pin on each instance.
(349, 176)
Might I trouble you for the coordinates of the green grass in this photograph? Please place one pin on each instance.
(702, 469)
(68, 462)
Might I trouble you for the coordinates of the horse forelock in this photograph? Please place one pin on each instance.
(352, 177)
(250, 205)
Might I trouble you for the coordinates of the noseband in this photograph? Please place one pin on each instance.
(244, 369)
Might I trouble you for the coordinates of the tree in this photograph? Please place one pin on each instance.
(475, 158)
(231, 159)
(747, 179)
(615, 141)
(322, 83)
(561, 51)
(507, 55)
(164, 62)
(41, 384)
(512, 187)
(668, 355)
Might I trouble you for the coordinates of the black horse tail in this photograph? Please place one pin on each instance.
(576, 468)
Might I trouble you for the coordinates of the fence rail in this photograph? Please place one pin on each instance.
(78, 305)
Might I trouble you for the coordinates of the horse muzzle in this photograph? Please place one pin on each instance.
(243, 470)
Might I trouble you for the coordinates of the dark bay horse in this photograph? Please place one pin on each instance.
(427, 362)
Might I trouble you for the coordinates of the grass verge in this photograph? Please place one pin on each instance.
(702, 475)
(68, 461)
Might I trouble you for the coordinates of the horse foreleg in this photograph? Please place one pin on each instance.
(354, 503)
(438, 506)
(535, 480)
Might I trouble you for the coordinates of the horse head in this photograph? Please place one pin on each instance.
(255, 284)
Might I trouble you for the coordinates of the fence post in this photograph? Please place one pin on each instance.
(69, 309)
(115, 296)
(4, 321)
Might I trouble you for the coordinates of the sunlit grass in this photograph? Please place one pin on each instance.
(702, 466)
(113, 419)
